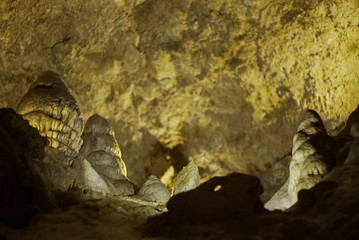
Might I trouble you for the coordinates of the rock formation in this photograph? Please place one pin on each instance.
(23, 189)
(217, 199)
(187, 179)
(153, 190)
(314, 154)
(353, 155)
(238, 73)
(273, 178)
(101, 149)
(326, 211)
(219, 82)
(311, 159)
(49, 107)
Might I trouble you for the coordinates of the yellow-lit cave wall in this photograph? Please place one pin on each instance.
(219, 82)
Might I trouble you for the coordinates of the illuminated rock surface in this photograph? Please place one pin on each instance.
(26, 191)
(219, 82)
(327, 211)
(311, 161)
(314, 154)
(273, 178)
(101, 149)
(223, 207)
(50, 108)
(187, 179)
(310, 158)
(153, 190)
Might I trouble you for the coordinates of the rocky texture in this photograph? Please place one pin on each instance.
(314, 154)
(153, 190)
(352, 125)
(49, 107)
(81, 176)
(33, 178)
(221, 208)
(353, 155)
(218, 81)
(217, 199)
(187, 179)
(100, 185)
(101, 149)
(100, 219)
(311, 159)
(352, 129)
(61, 177)
(23, 189)
(327, 211)
(33, 181)
(273, 178)
(94, 181)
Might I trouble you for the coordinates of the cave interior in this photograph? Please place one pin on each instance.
(181, 119)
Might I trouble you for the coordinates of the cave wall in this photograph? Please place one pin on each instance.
(219, 82)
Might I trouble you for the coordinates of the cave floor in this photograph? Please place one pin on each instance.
(327, 211)
(92, 219)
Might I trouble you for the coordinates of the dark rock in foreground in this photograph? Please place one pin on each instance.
(218, 198)
(329, 210)
(23, 190)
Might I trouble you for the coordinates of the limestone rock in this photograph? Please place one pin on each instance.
(223, 81)
(274, 178)
(24, 190)
(100, 148)
(153, 190)
(352, 124)
(310, 158)
(60, 176)
(314, 154)
(93, 180)
(353, 155)
(49, 107)
(352, 129)
(95, 185)
(280, 199)
(235, 72)
(218, 199)
(187, 179)
(124, 187)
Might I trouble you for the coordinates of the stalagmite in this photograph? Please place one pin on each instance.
(49, 107)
